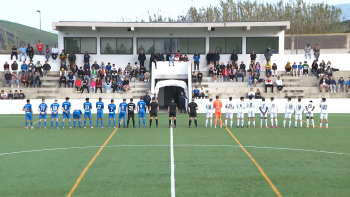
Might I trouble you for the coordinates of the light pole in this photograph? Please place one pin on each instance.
(40, 24)
(297, 11)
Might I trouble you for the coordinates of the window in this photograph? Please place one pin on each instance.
(80, 45)
(260, 44)
(184, 45)
(226, 45)
(116, 46)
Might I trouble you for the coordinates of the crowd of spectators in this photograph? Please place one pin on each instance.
(11, 95)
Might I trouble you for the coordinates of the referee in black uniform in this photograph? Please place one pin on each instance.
(153, 110)
(172, 111)
(131, 109)
(192, 111)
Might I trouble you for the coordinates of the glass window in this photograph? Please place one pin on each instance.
(226, 45)
(116, 46)
(217, 44)
(108, 45)
(162, 44)
(180, 44)
(260, 44)
(124, 46)
(80, 45)
(196, 44)
(233, 44)
(145, 44)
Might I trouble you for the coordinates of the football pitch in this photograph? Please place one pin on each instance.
(175, 162)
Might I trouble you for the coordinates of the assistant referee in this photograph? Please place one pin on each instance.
(192, 111)
(172, 111)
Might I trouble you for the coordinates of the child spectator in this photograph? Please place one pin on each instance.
(196, 93)
(341, 83)
(199, 76)
(14, 79)
(210, 68)
(279, 84)
(347, 84)
(3, 95)
(194, 77)
(10, 95)
(86, 85)
(300, 69)
(63, 80)
(268, 83)
(332, 84)
(250, 80)
(46, 68)
(70, 79)
(232, 73)
(78, 85)
(98, 85)
(30, 79)
(258, 68)
(92, 86)
(274, 69)
(288, 68)
(306, 69)
(221, 78)
(14, 52)
(202, 92)
(314, 67)
(171, 59)
(24, 68)
(16, 95)
(215, 74)
(251, 93)
(185, 58)
(21, 95)
(24, 79)
(142, 77)
(226, 75)
(295, 69)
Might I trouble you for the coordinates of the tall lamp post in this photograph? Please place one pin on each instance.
(297, 11)
(40, 24)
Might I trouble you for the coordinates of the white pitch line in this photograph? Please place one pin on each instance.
(172, 163)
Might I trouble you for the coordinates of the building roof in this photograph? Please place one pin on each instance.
(132, 25)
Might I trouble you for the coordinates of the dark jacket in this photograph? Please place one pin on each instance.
(242, 66)
(8, 76)
(216, 57)
(70, 77)
(72, 57)
(47, 67)
(143, 70)
(62, 78)
(274, 67)
(160, 57)
(154, 56)
(268, 54)
(86, 57)
(253, 56)
(234, 57)
(167, 57)
(147, 99)
(63, 66)
(30, 50)
(22, 96)
(14, 66)
(96, 66)
(326, 81)
(80, 72)
(209, 57)
(332, 82)
(86, 67)
(182, 98)
(142, 57)
(314, 66)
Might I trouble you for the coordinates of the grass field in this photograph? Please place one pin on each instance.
(208, 161)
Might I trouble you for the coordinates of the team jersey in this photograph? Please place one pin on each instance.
(43, 107)
(217, 105)
(250, 105)
(112, 108)
(66, 105)
(123, 107)
(141, 105)
(273, 107)
(77, 111)
(240, 106)
(28, 108)
(131, 107)
(229, 107)
(289, 107)
(309, 106)
(209, 107)
(324, 107)
(299, 108)
(87, 107)
(99, 106)
(55, 107)
(263, 107)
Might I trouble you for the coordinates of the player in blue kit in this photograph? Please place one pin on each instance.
(66, 107)
(100, 106)
(29, 114)
(42, 113)
(87, 107)
(122, 111)
(54, 109)
(111, 109)
(77, 115)
(141, 110)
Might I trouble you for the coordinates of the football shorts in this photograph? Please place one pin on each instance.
(311, 115)
(142, 114)
(251, 114)
(29, 116)
(262, 115)
(273, 115)
(87, 115)
(76, 116)
(99, 114)
(43, 116)
(111, 116)
(217, 114)
(287, 115)
(209, 115)
(229, 115)
(66, 115)
(54, 115)
(240, 115)
(323, 116)
(298, 116)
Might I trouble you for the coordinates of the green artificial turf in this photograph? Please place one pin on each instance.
(208, 161)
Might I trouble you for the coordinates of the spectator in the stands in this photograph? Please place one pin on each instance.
(202, 93)
(232, 75)
(329, 71)
(234, 57)
(196, 58)
(220, 75)
(10, 95)
(217, 65)
(14, 52)
(256, 78)
(137, 69)
(24, 68)
(86, 66)
(300, 69)
(37, 79)
(235, 66)
(47, 53)
(126, 85)
(74, 69)
(30, 79)
(279, 84)
(341, 83)
(216, 56)
(46, 68)
(63, 80)
(147, 76)
(119, 85)
(171, 59)
(251, 67)
(102, 65)
(98, 85)
(3, 95)
(7, 79)
(167, 57)
(295, 69)
(274, 69)
(314, 67)
(14, 67)
(142, 77)
(252, 57)
(268, 68)
(108, 76)
(21, 95)
(92, 86)
(268, 83)
(133, 76)
(93, 73)
(307, 51)
(258, 68)
(6, 67)
(31, 67)
(268, 54)
(210, 69)
(81, 73)
(87, 74)
(160, 57)
(258, 94)
(305, 69)
(288, 68)
(39, 68)
(54, 53)
(14, 79)
(250, 80)
(242, 67)
(226, 75)
(63, 69)
(178, 54)
(199, 76)
(317, 51)
(332, 84)
(209, 57)
(142, 58)
(329, 64)
(196, 93)
(129, 68)
(85, 85)
(240, 74)
(70, 79)
(71, 58)
(24, 79)
(215, 74)
(23, 52)
(109, 68)
(194, 77)
(114, 74)
(30, 52)
(229, 65)
(87, 58)
(324, 83)
(181, 58)
(39, 48)
(185, 58)
(16, 95)
(102, 73)
(251, 93)
(323, 64)
(347, 84)
(153, 59)
(96, 66)
(142, 69)
(222, 66)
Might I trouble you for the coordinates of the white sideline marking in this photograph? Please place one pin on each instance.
(172, 162)
(180, 145)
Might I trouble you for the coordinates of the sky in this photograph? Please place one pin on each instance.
(103, 10)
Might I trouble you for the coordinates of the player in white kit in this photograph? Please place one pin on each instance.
(263, 112)
(273, 112)
(251, 106)
(298, 113)
(289, 109)
(324, 113)
(240, 112)
(310, 114)
(229, 111)
(210, 108)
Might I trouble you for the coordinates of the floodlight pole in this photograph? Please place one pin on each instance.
(40, 25)
(297, 11)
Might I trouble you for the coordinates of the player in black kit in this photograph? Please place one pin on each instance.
(153, 110)
(131, 109)
(172, 111)
(192, 111)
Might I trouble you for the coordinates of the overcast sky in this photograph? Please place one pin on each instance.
(101, 10)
